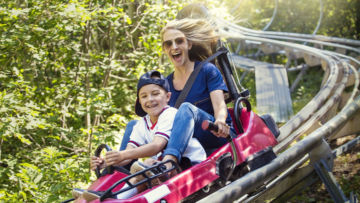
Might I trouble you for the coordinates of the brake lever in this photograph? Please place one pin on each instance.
(208, 125)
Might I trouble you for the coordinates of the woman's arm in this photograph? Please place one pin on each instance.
(124, 157)
(220, 112)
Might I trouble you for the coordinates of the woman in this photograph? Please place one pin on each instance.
(187, 42)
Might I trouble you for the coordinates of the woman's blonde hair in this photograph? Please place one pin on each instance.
(199, 32)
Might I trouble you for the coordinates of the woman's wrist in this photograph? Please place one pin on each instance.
(221, 118)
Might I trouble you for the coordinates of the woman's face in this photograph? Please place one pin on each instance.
(176, 47)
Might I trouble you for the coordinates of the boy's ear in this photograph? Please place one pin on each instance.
(168, 96)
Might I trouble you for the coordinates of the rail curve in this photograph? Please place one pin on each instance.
(341, 71)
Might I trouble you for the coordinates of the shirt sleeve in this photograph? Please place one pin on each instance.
(135, 139)
(214, 78)
(165, 123)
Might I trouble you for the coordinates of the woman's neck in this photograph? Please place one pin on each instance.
(183, 72)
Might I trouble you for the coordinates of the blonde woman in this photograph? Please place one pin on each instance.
(187, 42)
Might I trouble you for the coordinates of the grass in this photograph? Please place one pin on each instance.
(307, 88)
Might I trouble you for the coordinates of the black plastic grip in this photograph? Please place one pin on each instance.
(209, 125)
(109, 169)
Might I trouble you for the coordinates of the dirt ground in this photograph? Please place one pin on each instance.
(346, 170)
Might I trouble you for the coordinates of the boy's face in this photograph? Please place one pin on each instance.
(153, 99)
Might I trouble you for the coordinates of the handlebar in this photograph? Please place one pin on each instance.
(109, 169)
(209, 125)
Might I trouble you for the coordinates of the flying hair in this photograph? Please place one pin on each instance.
(199, 32)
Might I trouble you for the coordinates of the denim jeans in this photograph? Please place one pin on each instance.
(187, 123)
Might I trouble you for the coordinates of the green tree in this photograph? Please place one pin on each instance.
(68, 73)
(340, 18)
(68, 81)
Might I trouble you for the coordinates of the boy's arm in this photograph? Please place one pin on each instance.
(124, 157)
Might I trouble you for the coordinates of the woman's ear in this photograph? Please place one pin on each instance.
(189, 45)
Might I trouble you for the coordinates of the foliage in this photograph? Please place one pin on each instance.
(68, 72)
(340, 18)
(308, 87)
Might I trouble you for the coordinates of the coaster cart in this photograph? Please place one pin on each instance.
(247, 150)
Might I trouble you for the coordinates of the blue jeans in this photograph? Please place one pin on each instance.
(187, 123)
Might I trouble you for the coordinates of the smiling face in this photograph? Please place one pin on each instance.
(153, 99)
(176, 47)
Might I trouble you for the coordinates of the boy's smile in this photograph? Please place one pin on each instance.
(153, 99)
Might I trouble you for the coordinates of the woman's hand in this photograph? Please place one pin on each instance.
(223, 130)
(96, 161)
(114, 158)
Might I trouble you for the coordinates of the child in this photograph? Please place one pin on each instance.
(151, 134)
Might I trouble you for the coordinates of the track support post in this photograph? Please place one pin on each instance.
(322, 160)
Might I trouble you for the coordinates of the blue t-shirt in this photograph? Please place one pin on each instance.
(208, 80)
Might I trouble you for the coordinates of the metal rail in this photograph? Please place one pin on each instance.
(273, 15)
(338, 68)
(252, 180)
(328, 87)
(272, 34)
(322, 95)
(291, 170)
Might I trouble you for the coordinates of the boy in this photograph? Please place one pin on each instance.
(151, 133)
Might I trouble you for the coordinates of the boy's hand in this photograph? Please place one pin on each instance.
(95, 162)
(113, 158)
(224, 129)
